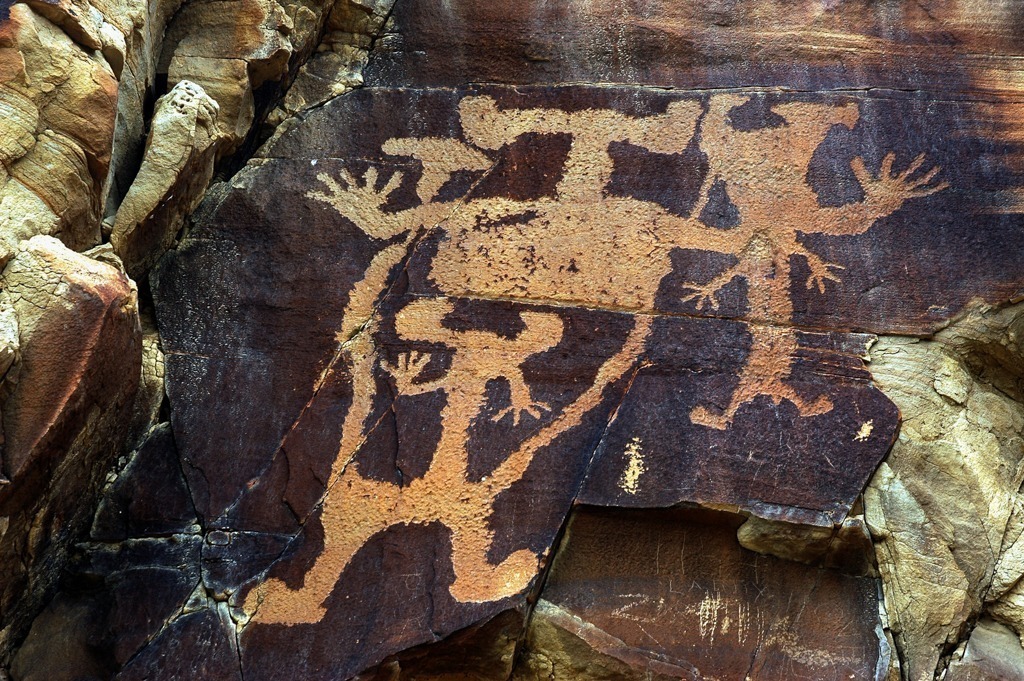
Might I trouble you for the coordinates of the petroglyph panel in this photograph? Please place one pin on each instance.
(493, 302)
(672, 595)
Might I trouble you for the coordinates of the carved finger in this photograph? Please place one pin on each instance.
(392, 185)
(370, 178)
(927, 177)
(319, 196)
(860, 171)
(915, 164)
(330, 183)
(887, 162)
(928, 191)
(346, 176)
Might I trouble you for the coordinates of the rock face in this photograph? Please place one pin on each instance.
(548, 340)
(77, 80)
(546, 294)
(176, 168)
(65, 403)
(672, 596)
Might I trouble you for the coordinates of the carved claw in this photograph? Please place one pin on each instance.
(702, 416)
(407, 369)
(820, 272)
(361, 202)
(534, 409)
(704, 298)
(890, 188)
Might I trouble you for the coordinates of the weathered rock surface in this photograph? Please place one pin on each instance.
(671, 595)
(64, 407)
(945, 507)
(548, 294)
(77, 84)
(176, 168)
(59, 103)
(993, 653)
(337, 65)
(447, 357)
(241, 51)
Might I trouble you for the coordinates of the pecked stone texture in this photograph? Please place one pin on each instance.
(498, 301)
(553, 254)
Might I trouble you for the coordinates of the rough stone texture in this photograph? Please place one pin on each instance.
(671, 595)
(65, 406)
(545, 295)
(59, 104)
(239, 51)
(845, 546)
(993, 653)
(337, 65)
(555, 253)
(176, 168)
(138, 575)
(945, 508)
(77, 84)
(77, 81)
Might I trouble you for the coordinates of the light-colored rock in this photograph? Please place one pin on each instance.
(230, 48)
(58, 102)
(78, 73)
(846, 546)
(176, 169)
(336, 67)
(944, 509)
(132, 44)
(993, 653)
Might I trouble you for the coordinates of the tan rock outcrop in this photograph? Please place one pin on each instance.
(230, 48)
(993, 653)
(336, 66)
(945, 508)
(59, 103)
(175, 171)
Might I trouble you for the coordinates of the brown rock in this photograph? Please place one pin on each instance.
(432, 316)
(544, 295)
(115, 600)
(485, 652)
(192, 646)
(64, 411)
(804, 45)
(671, 595)
(846, 546)
(231, 48)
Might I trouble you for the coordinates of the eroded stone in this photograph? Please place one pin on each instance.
(65, 408)
(496, 350)
(671, 595)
